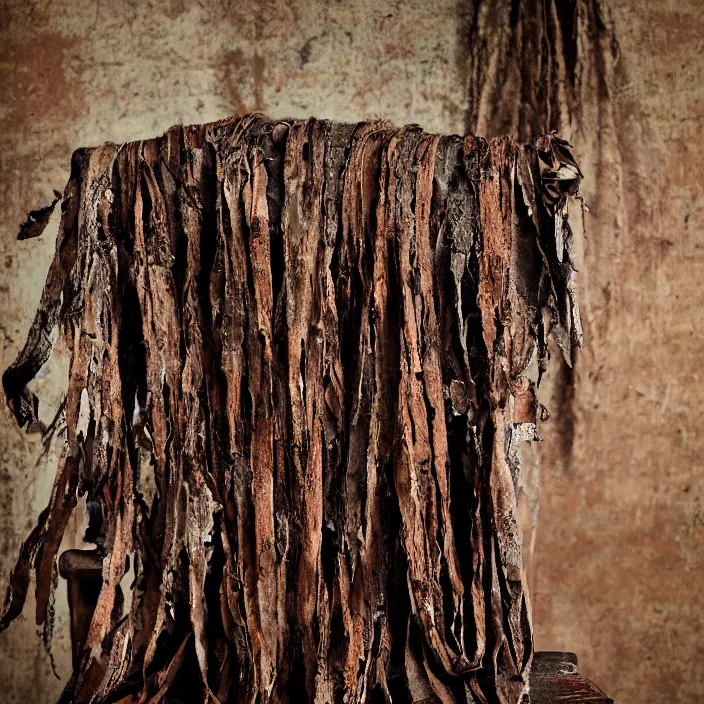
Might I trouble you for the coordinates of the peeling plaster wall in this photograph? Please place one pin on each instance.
(618, 555)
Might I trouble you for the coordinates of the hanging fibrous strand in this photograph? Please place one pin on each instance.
(302, 356)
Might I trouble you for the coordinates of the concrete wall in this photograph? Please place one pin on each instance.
(616, 556)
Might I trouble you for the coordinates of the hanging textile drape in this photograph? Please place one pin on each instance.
(302, 356)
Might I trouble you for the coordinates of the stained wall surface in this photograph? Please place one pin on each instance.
(616, 555)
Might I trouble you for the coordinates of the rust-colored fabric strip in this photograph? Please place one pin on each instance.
(301, 359)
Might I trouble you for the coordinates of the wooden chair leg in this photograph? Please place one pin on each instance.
(82, 569)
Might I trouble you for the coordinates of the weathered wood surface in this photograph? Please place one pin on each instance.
(302, 357)
(555, 679)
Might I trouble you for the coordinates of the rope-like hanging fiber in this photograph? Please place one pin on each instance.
(302, 356)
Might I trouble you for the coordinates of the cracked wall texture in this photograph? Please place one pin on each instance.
(615, 554)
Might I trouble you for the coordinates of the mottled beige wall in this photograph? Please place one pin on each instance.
(618, 568)
(618, 555)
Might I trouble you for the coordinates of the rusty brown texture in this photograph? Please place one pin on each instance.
(302, 356)
(555, 679)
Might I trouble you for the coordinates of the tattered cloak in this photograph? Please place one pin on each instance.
(302, 354)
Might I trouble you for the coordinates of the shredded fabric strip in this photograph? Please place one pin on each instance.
(302, 356)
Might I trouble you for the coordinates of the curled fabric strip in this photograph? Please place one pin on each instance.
(301, 359)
